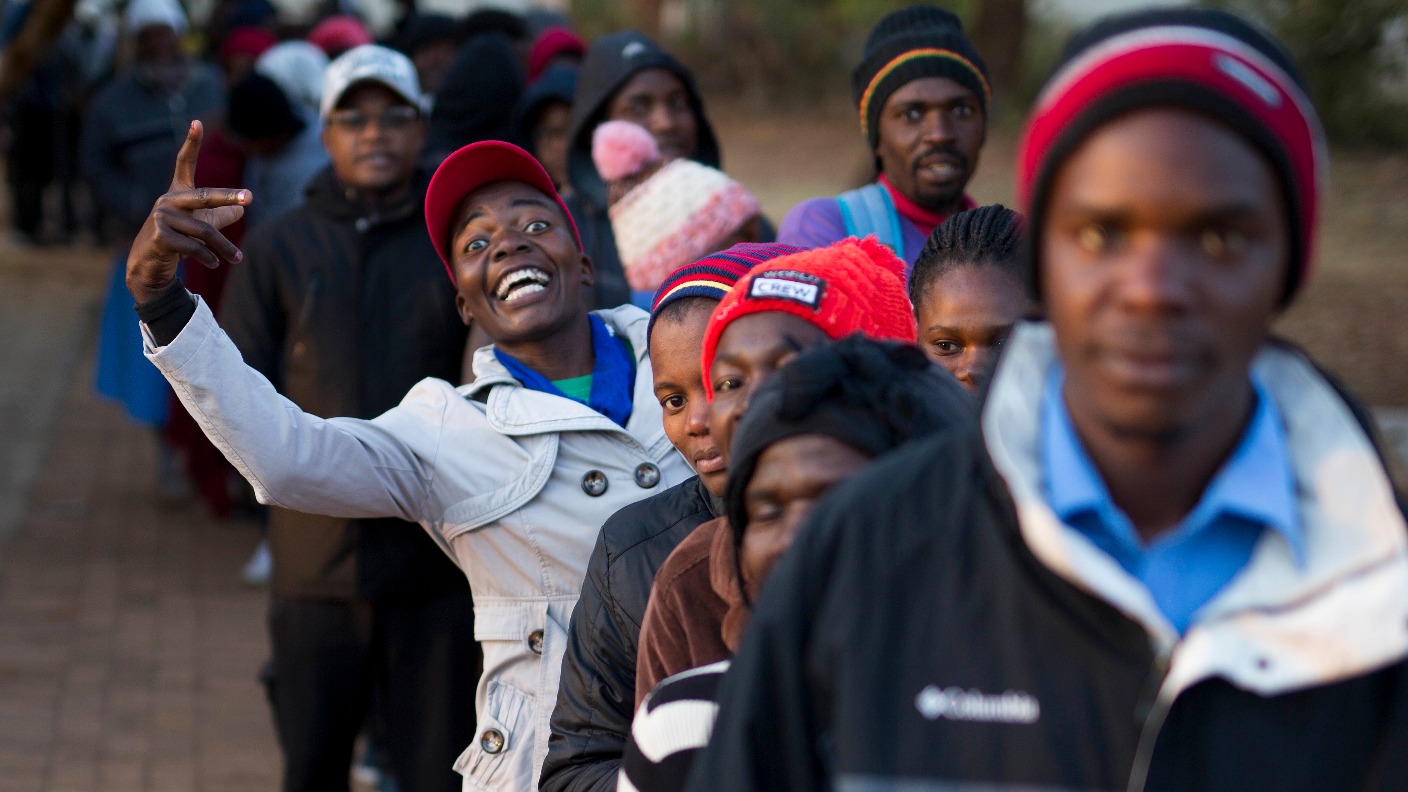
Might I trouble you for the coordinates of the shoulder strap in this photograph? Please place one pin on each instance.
(869, 210)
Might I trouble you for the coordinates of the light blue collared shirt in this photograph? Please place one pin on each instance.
(1186, 566)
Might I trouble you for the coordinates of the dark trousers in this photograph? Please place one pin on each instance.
(415, 659)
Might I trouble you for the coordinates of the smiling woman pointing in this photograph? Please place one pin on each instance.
(511, 475)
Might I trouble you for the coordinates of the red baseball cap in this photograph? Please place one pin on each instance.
(472, 167)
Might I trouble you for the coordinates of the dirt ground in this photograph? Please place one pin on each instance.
(1349, 317)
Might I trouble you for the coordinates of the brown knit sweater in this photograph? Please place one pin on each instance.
(697, 613)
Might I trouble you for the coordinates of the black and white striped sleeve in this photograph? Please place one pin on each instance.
(670, 729)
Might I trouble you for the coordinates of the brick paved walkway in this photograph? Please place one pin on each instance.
(128, 646)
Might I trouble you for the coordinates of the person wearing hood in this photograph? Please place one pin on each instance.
(1170, 556)
(340, 300)
(592, 718)
(922, 94)
(431, 41)
(819, 420)
(626, 76)
(477, 99)
(283, 150)
(132, 130)
(542, 121)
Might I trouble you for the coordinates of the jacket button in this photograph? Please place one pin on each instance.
(594, 483)
(647, 475)
(492, 741)
(535, 642)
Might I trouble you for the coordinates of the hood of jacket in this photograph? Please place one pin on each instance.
(1340, 614)
(477, 100)
(610, 62)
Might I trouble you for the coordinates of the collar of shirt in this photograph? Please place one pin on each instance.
(1255, 484)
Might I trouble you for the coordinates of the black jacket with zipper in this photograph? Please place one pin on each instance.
(912, 639)
(596, 699)
(344, 309)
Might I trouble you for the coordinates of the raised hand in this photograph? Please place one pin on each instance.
(185, 222)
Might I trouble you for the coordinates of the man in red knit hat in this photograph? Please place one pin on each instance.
(781, 308)
(1172, 558)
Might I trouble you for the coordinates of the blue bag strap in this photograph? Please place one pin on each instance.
(869, 210)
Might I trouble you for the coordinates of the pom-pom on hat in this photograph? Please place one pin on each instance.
(852, 286)
(1209, 62)
(712, 276)
(909, 44)
(664, 215)
(470, 168)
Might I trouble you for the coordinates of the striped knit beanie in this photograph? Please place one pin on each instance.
(852, 286)
(712, 276)
(1206, 61)
(912, 43)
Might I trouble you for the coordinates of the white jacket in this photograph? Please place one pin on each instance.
(498, 474)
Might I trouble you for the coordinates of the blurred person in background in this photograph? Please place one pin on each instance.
(134, 127)
(922, 94)
(819, 420)
(556, 46)
(342, 303)
(542, 120)
(967, 291)
(283, 150)
(477, 98)
(665, 214)
(298, 68)
(431, 41)
(239, 52)
(626, 76)
(1171, 557)
(596, 696)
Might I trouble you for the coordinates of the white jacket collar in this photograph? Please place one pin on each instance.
(1275, 627)
(515, 410)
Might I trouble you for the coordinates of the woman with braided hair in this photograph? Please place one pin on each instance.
(967, 291)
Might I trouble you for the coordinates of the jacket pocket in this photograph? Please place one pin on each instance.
(501, 756)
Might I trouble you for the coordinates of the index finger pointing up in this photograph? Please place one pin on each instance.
(185, 176)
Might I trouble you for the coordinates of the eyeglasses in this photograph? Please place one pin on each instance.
(392, 119)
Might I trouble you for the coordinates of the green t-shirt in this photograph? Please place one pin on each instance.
(577, 388)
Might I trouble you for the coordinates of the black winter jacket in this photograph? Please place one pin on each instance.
(595, 701)
(920, 635)
(343, 311)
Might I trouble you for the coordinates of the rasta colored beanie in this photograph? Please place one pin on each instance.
(909, 44)
(852, 286)
(1208, 62)
(664, 214)
(712, 276)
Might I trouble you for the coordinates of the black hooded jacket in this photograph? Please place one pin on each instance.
(344, 310)
(596, 699)
(477, 101)
(611, 61)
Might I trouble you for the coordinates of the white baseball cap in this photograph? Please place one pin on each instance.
(370, 63)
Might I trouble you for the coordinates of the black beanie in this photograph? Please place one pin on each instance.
(259, 110)
(911, 43)
(871, 395)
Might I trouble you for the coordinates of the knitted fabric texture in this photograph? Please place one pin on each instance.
(712, 276)
(677, 213)
(853, 286)
(1209, 62)
(910, 44)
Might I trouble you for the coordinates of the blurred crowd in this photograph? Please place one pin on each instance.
(901, 491)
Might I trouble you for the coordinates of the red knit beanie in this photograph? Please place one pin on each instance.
(852, 286)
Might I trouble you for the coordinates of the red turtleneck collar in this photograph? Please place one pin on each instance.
(914, 213)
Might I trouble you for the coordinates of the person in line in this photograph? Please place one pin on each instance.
(284, 151)
(1171, 557)
(789, 304)
(666, 213)
(816, 422)
(342, 304)
(967, 291)
(541, 120)
(627, 77)
(431, 41)
(597, 693)
(131, 132)
(922, 94)
(477, 97)
(512, 475)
